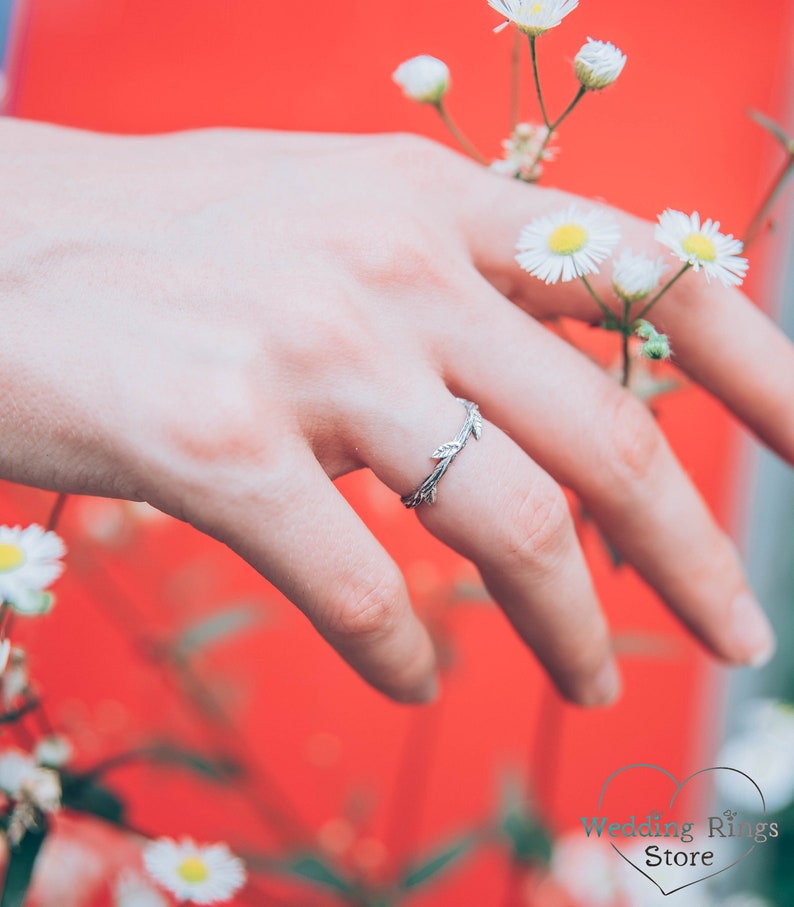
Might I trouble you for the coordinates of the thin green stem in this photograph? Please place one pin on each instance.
(577, 97)
(551, 128)
(515, 80)
(665, 288)
(756, 224)
(458, 135)
(533, 54)
(626, 332)
(609, 315)
(57, 510)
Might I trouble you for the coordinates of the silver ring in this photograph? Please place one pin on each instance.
(426, 491)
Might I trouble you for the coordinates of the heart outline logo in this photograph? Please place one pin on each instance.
(679, 787)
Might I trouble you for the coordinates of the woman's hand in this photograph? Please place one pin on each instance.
(221, 322)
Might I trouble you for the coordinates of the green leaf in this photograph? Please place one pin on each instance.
(306, 867)
(21, 860)
(216, 769)
(775, 128)
(442, 859)
(528, 838)
(216, 627)
(82, 794)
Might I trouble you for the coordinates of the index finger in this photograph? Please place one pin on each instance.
(718, 336)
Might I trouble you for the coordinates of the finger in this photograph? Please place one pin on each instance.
(499, 509)
(342, 579)
(718, 337)
(597, 438)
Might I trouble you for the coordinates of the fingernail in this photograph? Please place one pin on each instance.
(605, 687)
(752, 631)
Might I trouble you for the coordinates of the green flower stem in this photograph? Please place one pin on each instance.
(57, 510)
(533, 54)
(611, 322)
(458, 135)
(626, 333)
(553, 126)
(515, 81)
(759, 219)
(665, 288)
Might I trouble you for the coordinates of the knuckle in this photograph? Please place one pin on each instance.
(541, 524)
(369, 609)
(632, 438)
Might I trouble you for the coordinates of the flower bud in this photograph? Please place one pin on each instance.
(598, 64)
(657, 347)
(424, 79)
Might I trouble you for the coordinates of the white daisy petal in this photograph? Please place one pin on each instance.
(598, 64)
(635, 276)
(534, 17)
(702, 246)
(30, 560)
(424, 78)
(202, 874)
(567, 244)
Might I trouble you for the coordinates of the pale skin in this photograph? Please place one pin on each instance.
(221, 322)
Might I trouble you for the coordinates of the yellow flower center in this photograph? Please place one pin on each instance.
(11, 556)
(193, 870)
(567, 239)
(700, 246)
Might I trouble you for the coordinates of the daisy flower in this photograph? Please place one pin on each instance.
(524, 153)
(634, 276)
(533, 17)
(15, 768)
(203, 874)
(702, 246)
(29, 562)
(424, 79)
(566, 244)
(598, 64)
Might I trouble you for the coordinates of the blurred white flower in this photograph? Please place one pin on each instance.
(201, 874)
(523, 158)
(14, 679)
(598, 64)
(702, 246)
(42, 787)
(635, 277)
(53, 751)
(746, 899)
(424, 79)
(30, 560)
(133, 890)
(763, 751)
(594, 874)
(15, 767)
(534, 17)
(567, 244)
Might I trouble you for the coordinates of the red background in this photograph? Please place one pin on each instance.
(673, 132)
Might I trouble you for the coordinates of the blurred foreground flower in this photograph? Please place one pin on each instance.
(424, 79)
(201, 874)
(534, 17)
(524, 153)
(598, 64)
(566, 244)
(702, 246)
(763, 751)
(29, 562)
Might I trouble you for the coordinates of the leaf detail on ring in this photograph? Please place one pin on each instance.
(447, 450)
(476, 428)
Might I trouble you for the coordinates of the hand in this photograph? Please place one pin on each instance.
(221, 322)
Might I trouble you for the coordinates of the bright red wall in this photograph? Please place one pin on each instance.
(673, 132)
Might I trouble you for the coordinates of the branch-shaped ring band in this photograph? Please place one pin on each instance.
(426, 491)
